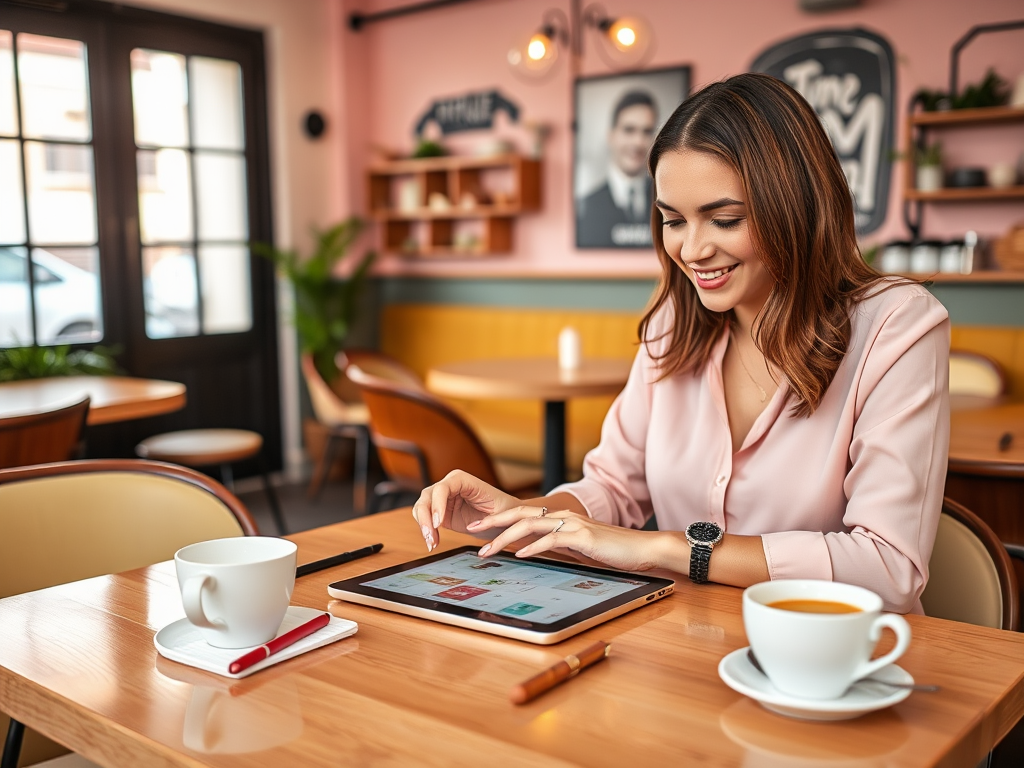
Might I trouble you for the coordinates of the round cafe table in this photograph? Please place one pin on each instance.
(986, 466)
(535, 379)
(111, 398)
(988, 441)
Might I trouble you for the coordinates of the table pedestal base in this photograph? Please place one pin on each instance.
(554, 444)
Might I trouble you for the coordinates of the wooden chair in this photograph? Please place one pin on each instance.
(971, 577)
(38, 438)
(972, 373)
(420, 439)
(213, 448)
(380, 365)
(75, 520)
(344, 419)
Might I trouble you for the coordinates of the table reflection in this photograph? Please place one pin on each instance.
(773, 741)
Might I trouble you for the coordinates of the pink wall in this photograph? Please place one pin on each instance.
(396, 68)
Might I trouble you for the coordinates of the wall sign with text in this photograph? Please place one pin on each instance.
(849, 78)
(469, 112)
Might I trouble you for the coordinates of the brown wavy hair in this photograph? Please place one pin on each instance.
(800, 218)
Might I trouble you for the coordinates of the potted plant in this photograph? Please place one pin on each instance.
(325, 305)
(928, 162)
(35, 362)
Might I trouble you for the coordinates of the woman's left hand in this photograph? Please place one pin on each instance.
(622, 548)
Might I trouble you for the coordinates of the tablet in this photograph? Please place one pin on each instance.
(539, 601)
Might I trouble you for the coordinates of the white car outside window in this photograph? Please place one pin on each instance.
(67, 301)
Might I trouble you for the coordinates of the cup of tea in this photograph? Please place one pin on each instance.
(814, 639)
(235, 591)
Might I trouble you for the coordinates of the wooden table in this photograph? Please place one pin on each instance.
(112, 398)
(535, 379)
(77, 663)
(985, 478)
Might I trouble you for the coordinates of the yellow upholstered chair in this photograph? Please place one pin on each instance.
(78, 519)
(971, 577)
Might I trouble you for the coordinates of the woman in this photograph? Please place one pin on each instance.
(784, 392)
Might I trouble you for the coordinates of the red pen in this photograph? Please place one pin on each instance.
(290, 637)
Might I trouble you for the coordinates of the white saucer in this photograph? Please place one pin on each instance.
(180, 641)
(864, 696)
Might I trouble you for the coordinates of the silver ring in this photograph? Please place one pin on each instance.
(559, 526)
(543, 511)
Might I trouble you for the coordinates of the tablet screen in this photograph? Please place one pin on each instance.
(540, 593)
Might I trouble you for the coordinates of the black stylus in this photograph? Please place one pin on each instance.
(330, 562)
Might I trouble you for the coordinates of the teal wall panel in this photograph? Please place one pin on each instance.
(967, 303)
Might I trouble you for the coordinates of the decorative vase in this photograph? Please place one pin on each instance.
(929, 178)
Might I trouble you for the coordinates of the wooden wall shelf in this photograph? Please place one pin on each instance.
(426, 231)
(918, 125)
(957, 117)
(966, 194)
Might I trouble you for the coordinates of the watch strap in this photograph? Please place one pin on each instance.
(700, 558)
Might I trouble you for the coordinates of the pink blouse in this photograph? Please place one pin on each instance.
(851, 493)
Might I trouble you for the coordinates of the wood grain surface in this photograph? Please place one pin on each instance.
(975, 437)
(112, 398)
(77, 662)
(534, 378)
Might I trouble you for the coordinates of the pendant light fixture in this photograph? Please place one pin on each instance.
(623, 42)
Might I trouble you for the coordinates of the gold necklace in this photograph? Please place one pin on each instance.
(764, 395)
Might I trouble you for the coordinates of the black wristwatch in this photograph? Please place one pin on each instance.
(702, 538)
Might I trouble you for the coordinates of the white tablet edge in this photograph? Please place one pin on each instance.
(516, 633)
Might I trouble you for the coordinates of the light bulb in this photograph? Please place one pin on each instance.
(538, 47)
(626, 41)
(624, 36)
(534, 57)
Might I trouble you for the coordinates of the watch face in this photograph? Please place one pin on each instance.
(704, 532)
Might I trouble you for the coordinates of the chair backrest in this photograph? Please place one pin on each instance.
(409, 424)
(381, 366)
(971, 578)
(971, 373)
(38, 438)
(330, 407)
(78, 519)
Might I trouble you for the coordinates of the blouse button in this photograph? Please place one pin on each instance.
(720, 479)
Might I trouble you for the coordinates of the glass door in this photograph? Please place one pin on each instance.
(133, 176)
(193, 212)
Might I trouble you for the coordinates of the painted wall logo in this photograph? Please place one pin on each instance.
(470, 112)
(849, 79)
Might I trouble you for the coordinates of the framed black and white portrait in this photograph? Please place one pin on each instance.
(617, 118)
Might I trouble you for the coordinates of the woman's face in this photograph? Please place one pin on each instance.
(706, 232)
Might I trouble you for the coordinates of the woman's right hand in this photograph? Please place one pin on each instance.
(455, 502)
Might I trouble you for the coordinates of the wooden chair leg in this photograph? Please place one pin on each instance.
(275, 507)
(12, 746)
(360, 476)
(323, 467)
(227, 477)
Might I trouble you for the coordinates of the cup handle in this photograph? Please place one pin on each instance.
(192, 600)
(898, 625)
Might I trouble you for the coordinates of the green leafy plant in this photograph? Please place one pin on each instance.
(929, 154)
(325, 305)
(992, 91)
(36, 362)
(428, 148)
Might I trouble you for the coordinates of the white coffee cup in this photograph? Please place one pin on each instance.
(818, 655)
(236, 591)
